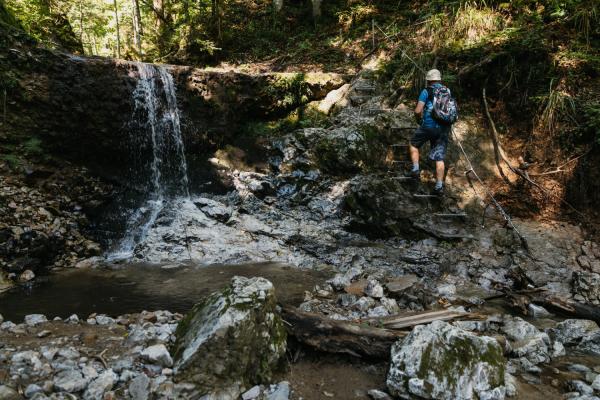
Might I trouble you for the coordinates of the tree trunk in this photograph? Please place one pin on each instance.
(137, 26)
(316, 8)
(277, 6)
(118, 32)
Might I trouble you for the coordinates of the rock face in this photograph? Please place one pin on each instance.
(440, 361)
(231, 341)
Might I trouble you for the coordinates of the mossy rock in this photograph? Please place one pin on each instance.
(441, 361)
(231, 341)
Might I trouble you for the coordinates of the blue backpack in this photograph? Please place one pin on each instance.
(445, 110)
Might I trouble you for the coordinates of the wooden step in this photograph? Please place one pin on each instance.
(450, 215)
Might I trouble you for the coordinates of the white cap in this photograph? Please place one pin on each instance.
(433, 75)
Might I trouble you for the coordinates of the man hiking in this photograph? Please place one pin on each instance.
(435, 127)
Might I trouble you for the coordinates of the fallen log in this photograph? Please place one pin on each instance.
(339, 336)
(569, 308)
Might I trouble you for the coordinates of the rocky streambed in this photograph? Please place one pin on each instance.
(329, 197)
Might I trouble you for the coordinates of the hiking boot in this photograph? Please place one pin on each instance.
(439, 192)
(416, 175)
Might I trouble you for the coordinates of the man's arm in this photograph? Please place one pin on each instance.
(419, 109)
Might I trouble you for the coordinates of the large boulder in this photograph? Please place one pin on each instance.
(441, 361)
(231, 341)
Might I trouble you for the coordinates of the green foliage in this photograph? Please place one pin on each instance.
(590, 121)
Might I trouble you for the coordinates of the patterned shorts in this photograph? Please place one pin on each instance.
(437, 138)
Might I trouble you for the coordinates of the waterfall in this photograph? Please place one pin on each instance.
(159, 166)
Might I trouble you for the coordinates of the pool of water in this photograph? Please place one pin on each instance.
(117, 290)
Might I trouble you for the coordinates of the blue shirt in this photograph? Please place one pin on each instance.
(428, 121)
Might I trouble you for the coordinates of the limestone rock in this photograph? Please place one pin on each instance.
(7, 393)
(528, 345)
(102, 384)
(571, 331)
(233, 339)
(158, 354)
(138, 387)
(35, 319)
(70, 381)
(440, 361)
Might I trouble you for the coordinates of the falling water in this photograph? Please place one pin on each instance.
(159, 166)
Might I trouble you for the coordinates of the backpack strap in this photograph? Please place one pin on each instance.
(429, 93)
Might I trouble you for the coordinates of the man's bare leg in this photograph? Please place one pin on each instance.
(439, 174)
(414, 157)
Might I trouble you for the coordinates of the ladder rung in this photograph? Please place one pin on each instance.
(424, 196)
(400, 161)
(403, 178)
(400, 145)
(400, 128)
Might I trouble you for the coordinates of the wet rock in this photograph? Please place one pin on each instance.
(441, 361)
(7, 325)
(158, 354)
(35, 319)
(70, 381)
(139, 387)
(73, 319)
(8, 393)
(570, 331)
(233, 339)
(102, 384)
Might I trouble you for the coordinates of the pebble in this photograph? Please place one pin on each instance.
(253, 393)
(158, 354)
(280, 392)
(26, 276)
(8, 393)
(44, 333)
(32, 389)
(70, 381)
(376, 394)
(73, 319)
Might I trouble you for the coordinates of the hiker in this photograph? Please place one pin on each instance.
(435, 126)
